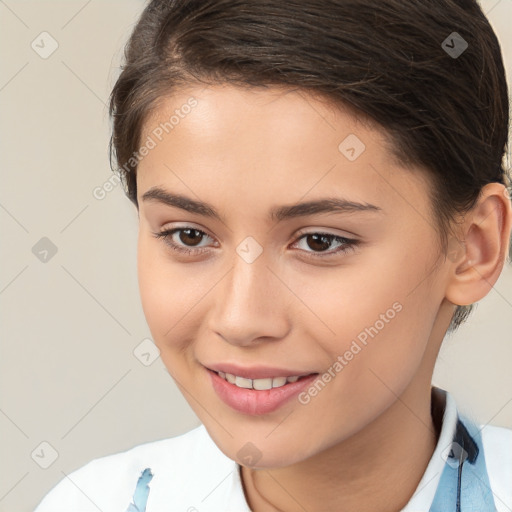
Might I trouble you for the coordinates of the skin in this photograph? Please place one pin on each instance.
(244, 152)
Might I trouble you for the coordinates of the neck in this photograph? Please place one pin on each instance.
(379, 468)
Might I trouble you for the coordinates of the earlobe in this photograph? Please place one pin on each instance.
(479, 259)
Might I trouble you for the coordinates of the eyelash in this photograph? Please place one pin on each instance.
(349, 244)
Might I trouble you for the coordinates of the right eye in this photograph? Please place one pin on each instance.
(190, 235)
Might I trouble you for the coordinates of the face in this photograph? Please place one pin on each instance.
(234, 277)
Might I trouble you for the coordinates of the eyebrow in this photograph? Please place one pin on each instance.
(277, 213)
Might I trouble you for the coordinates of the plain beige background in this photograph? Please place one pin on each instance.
(69, 377)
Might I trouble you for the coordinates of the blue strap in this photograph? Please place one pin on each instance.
(464, 484)
(140, 496)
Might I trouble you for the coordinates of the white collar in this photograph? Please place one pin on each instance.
(423, 497)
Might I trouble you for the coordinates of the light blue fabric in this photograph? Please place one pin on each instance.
(464, 484)
(140, 496)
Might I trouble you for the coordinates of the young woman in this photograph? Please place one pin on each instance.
(321, 198)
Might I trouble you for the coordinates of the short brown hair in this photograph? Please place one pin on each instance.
(388, 59)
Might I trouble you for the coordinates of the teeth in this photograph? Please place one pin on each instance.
(258, 384)
(243, 383)
(262, 384)
(277, 382)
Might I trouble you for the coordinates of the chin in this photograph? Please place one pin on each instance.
(256, 451)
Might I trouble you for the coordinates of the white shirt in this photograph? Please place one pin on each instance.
(191, 474)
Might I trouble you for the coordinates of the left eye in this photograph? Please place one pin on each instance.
(322, 241)
(314, 240)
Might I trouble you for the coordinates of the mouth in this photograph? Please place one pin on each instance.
(260, 384)
(257, 396)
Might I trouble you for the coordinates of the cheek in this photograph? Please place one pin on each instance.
(379, 316)
(348, 300)
(166, 293)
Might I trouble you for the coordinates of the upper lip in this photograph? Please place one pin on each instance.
(256, 372)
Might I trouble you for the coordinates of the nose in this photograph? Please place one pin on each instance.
(252, 305)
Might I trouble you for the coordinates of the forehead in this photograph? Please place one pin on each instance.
(277, 141)
(230, 113)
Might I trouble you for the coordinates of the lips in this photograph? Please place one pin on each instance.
(251, 400)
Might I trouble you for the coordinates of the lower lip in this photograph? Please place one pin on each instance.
(250, 401)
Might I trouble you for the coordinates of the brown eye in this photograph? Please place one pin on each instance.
(190, 236)
(188, 239)
(317, 245)
(319, 242)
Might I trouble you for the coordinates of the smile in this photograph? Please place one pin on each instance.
(258, 384)
(257, 396)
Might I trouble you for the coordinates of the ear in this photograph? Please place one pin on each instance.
(477, 262)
